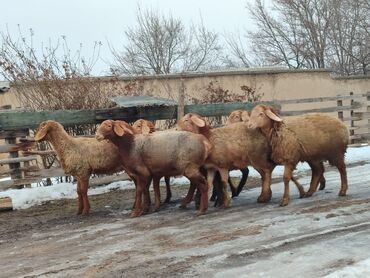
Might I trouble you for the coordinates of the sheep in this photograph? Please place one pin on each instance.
(313, 138)
(235, 117)
(234, 147)
(142, 126)
(244, 116)
(166, 153)
(80, 157)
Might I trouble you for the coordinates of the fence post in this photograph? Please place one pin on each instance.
(181, 100)
(13, 166)
(368, 109)
(339, 104)
(352, 122)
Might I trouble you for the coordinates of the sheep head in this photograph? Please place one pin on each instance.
(110, 129)
(264, 117)
(142, 126)
(44, 128)
(193, 123)
(238, 116)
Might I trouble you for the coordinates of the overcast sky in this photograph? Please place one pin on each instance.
(93, 20)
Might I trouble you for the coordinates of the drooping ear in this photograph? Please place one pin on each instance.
(245, 116)
(120, 128)
(41, 133)
(198, 121)
(273, 116)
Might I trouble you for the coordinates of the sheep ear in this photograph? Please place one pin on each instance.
(41, 133)
(273, 116)
(198, 121)
(245, 116)
(146, 129)
(120, 129)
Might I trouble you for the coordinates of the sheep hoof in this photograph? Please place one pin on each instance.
(284, 202)
(85, 212)
(263, 199)
(308, 194)
(167, 200)
(183, 206)
(136, 213)
(322, 186)
(156, 209)
(342, 193)
(201, 212)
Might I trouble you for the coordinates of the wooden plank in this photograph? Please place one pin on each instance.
(6, 204)
(19, 182)
(322, 110)
(318, 99)
(16, 147)
(13, 133)
(46, 152)
(24, 169)
(108, 179)
(223, 109)
(17, 120)
(20, 120)
(47, 173)
(17, 159)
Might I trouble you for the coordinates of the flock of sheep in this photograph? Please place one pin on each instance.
(203, 154)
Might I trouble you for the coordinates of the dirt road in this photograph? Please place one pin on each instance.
(309, 238)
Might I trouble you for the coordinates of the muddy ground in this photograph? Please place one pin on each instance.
(311, 237)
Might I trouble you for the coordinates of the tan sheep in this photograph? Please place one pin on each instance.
(80, 157)
(234, 147)
(313, 138)
(142, 126)
(166, 153)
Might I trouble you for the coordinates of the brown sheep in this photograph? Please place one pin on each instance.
(166, 153)
(234, 147)
(80, 157)
(313, 138)
(142, 126)
(244, 116)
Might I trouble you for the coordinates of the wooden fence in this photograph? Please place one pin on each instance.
(23, 161)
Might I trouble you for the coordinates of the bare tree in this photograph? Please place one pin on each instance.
(52, 77)
(162, 45)
(313, 34)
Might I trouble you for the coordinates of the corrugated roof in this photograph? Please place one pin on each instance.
(131, 101)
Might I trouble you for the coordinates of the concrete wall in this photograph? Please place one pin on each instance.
(273, 84)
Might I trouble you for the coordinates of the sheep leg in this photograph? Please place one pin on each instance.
(141, 183)
(217, 189)
(233, 189)
(80, 200)
(322, 182)
(343, 176)
(188, 196)
(243, 180)
(288, 173)
(157, 193)
(299, 187)
(266, 193)
(168, 190)
(146, 196)
(195, 177)
(84, 184)
(317, 172)
(224, 178)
